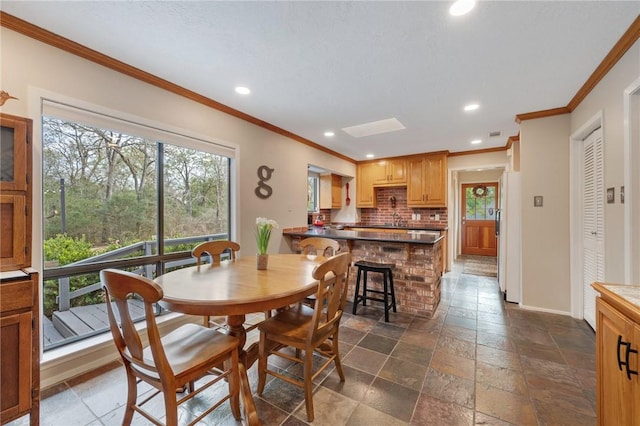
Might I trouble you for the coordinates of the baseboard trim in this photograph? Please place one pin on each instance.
(549, 311)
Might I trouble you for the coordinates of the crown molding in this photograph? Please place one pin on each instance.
(26, 28)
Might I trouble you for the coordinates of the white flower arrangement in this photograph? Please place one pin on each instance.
(264, 227)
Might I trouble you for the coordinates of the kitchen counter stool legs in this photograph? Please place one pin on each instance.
(386, 269)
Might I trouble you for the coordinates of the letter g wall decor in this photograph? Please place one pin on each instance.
(263, 190)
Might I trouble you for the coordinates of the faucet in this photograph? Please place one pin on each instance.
(396, 218)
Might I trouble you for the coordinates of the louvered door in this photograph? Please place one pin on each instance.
(592, 222)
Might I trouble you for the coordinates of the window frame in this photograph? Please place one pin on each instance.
(169, 135)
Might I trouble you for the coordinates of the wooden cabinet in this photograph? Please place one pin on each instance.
(365, 191)
(19, 345)
(330, 191)
(15, 152)
(617, 358)
(427, 181)
(15, 192)
(392, 172)
(19, 301)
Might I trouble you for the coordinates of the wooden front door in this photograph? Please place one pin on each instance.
(479, 206)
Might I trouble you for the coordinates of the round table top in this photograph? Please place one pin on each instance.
(237, 287)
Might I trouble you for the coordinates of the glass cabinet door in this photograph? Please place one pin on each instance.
(13, 158)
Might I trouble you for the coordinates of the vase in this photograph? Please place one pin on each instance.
(261, 261)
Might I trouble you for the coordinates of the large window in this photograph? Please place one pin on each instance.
(109, 197)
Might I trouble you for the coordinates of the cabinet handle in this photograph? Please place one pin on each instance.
(628, 351)
(630, 371)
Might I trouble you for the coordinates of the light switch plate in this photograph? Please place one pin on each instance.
(537, 201)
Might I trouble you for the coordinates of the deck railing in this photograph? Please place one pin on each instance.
(65, 295)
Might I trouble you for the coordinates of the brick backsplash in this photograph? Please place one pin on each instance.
(384, 212)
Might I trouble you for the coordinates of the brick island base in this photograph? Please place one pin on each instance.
(416, 276)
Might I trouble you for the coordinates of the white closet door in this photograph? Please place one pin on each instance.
(592, 221)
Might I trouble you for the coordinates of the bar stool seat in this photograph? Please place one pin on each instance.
(386, 269)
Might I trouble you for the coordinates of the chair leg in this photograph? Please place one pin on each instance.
(132, 396)
(234, 385)
(308, 384)
(385, 296)
(336, 351)
(393, 292)
(262, 363)
(356, 294)
(171, 407)
(364, 289)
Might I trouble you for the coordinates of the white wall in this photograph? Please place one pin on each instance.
(27, 64)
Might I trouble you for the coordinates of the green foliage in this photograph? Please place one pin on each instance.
(65, 249)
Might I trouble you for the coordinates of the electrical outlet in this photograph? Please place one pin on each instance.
(437, 217)
(417, 216)
(413, 216)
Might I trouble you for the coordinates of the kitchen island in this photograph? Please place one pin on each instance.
(417, 257)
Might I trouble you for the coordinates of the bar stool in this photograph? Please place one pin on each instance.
(386, 269)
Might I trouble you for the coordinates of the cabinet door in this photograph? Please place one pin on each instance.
(397, 172)
(13, 153)
(336, 191)
(15, 368)
(435, 180)
(415, 183)
(365, 192)
(13, 228)
(390, 172)
(614, 390)
(379, 174)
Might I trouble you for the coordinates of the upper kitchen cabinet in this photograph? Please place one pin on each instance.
(15, 192)
(330, 191)
(365, 191)
(13, 152)
(392, 172)
(427, 181)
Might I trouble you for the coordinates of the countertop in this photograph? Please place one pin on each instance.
(385, 237)
(624, 297)
(412, 228)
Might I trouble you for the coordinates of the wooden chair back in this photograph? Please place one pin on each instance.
(119, 286)
(215, 249)
(175, 361)
(320, 246)
(331, 297)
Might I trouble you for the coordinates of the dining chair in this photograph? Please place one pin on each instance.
(318, 246)
(215, 249)
(169, 363)
(308, 330)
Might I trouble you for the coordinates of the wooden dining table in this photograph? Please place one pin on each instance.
(237, 288)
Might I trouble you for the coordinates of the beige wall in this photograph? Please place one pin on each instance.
(607, 98)
(544, 166)
(28, 66)
(545, 150)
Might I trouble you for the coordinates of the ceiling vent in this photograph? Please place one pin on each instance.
(374, 128)
(495, 134)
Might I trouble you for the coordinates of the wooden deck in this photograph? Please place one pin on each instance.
(82, 320)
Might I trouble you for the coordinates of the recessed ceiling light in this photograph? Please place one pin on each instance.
(370, 155)
(461, 7)
(329, 134)
(476, 141)
(243, 90)
(471, 107)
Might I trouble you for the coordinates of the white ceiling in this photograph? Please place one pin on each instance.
(317, 66)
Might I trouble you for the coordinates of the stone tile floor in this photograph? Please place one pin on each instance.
(477, 361)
